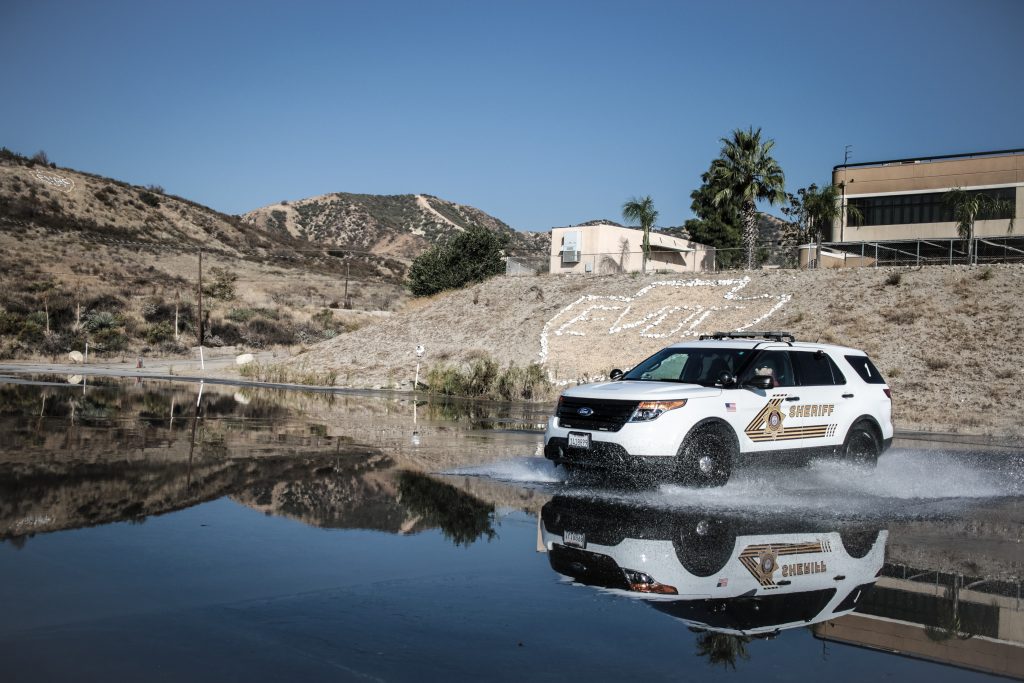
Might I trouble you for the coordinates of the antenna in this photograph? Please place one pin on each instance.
(846, 153)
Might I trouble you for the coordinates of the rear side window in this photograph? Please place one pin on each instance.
(866, 369)
(815, 368)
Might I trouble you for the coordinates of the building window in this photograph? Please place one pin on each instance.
(929, 207)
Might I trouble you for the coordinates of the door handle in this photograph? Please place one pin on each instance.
(793, 398)
(847, 395)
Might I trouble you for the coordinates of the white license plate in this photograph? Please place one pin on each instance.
(575, 539)
(577, 440)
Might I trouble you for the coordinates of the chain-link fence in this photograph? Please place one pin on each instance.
(923, 252)
(889, 253)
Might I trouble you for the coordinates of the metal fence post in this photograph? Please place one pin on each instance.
(951, 252)
(918, 253)
(876, 254)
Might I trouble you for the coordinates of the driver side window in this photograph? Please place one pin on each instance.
(775, 364)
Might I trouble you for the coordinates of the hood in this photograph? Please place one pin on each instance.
(634, 390)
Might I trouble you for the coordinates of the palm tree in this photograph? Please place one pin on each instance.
(968, 207)
(642, 210)
(723, 648)
(746, 172)
(822, 208)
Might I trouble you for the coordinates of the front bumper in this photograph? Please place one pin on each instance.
(604, 455)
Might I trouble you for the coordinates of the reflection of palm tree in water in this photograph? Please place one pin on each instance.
(722, 648)
(950, 622)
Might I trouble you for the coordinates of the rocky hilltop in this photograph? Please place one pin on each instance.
(398, 226)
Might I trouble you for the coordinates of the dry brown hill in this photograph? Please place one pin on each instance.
(399, 226)
(943, 336)
(86, 257)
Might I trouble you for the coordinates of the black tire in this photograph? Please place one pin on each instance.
(858, 543)
(862, 445)
(705, 457)
(703, 546)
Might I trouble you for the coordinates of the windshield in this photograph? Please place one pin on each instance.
(690, 366)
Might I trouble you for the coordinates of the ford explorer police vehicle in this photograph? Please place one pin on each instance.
(727, 574)
(695, 409)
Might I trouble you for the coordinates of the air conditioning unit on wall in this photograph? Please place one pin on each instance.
(570, 257)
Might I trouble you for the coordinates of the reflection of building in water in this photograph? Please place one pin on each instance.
(963, 622)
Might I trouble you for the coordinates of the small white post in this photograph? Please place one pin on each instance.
(86, 353)
(202, 362)
(419, 351)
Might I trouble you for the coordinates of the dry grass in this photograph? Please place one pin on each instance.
(943, 316)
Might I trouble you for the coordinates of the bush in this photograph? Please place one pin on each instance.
(483, 379)
(160, 332)
(261, 332)
(223, 285)
(470, 256)
(149, 199)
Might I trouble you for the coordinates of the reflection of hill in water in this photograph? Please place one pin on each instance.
(361, 499)
(119, 452)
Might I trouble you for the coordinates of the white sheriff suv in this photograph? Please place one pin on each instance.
(695, 409)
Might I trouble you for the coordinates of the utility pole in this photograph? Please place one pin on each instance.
(346, 304)
(202, 361)
(200, 299)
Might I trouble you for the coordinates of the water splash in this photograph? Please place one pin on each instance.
(520, 470)
(906, 482)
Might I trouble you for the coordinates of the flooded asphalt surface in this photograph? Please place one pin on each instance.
(274, 535)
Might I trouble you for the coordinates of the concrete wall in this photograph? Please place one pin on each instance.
(606, 249)
(929, 176)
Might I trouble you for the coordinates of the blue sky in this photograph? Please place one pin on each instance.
(540, 113)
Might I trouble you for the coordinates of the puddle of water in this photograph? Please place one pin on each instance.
(271, 534)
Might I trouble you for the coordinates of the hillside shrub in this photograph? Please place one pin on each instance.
(470, 256)
(159, 333)
(482, 378)
(223, 285)
(149, 199)
(261, 332)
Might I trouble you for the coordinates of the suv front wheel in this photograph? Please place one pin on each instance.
(705, 457)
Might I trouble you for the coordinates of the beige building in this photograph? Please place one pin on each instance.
(902, 199)
(603, 248)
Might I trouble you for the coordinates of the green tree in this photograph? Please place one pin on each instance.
(716, 225)
(746, 172)
(814, 211)
(469, 256)
(970, 206)
(642, 210)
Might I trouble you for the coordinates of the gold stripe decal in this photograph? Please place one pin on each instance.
(767, 425)
(761, 560)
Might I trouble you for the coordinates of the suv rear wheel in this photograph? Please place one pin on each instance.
(705, 457)
(862, 444)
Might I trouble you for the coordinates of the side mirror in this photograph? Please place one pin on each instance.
(761, 382)
(727, 380)
(615, 375)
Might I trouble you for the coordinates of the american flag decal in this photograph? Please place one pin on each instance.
(722, 583)
(730, 407)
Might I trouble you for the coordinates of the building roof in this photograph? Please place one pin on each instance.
(942, 157)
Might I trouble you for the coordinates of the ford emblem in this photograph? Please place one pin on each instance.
(585, 411)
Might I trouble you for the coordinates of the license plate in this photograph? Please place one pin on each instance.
(577, 440)
(576, 539)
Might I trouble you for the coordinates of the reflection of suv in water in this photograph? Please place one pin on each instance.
(725, 574)
(694, 409)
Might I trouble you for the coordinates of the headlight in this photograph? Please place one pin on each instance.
(652, 410)
(639, 582)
